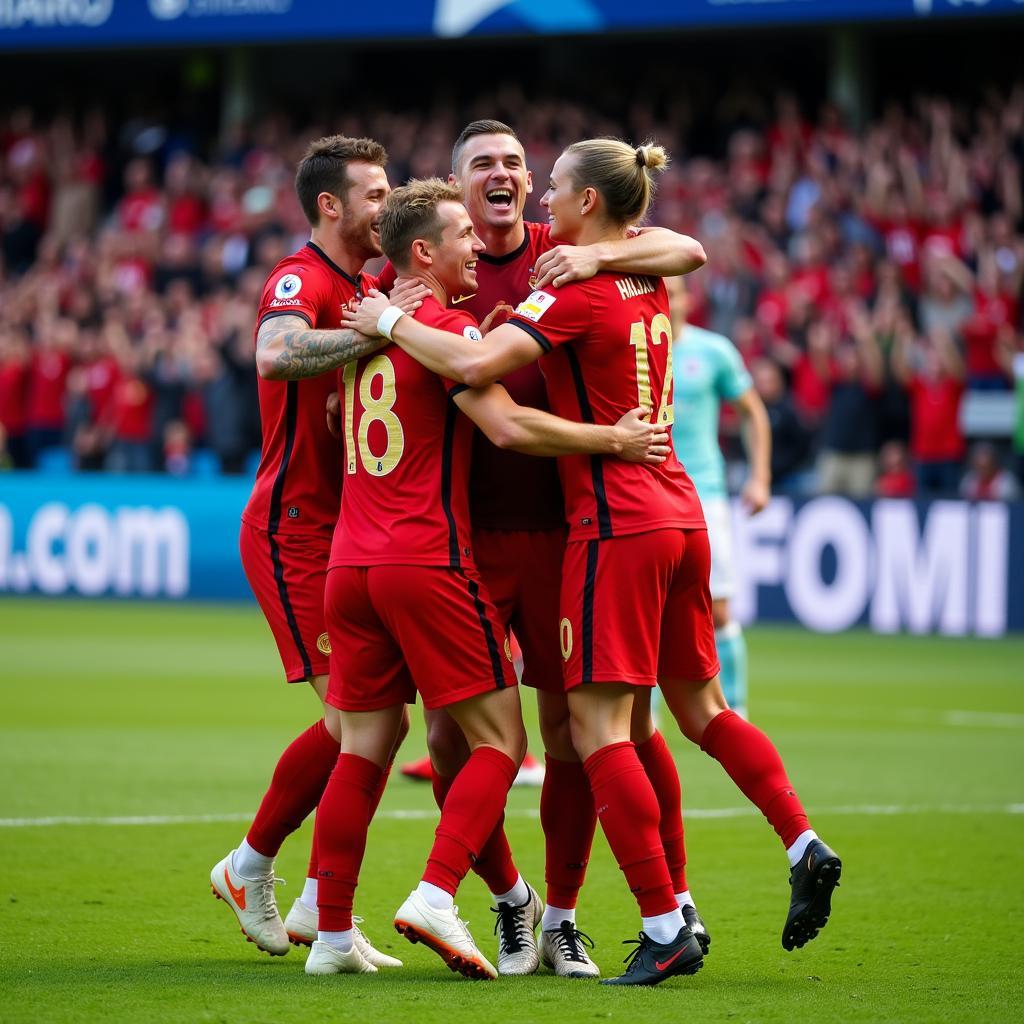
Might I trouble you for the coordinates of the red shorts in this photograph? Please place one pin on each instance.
(638, 608)
(522, 570)
(287, 573)
(401, 629)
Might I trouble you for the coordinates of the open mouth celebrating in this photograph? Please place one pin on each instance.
(500, 197)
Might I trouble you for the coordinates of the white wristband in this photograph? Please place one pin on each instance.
(387, 320)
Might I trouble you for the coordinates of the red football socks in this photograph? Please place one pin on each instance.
(313, 857)
(661, 770)
(295, 789)
(343, 821)
(472, 809)
(755, 766)
(568, 819)
(628, 811)
(494, 864)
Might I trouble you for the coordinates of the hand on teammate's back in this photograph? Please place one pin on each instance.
(642, 441)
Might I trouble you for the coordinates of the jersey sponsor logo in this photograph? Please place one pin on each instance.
(473, 333)
(535, 306)
(288, 287)
(323, 643)
(277, 303)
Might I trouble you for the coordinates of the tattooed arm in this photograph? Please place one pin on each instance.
(287, 348)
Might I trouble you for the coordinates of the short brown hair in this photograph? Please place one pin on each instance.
(324, 168)
(475, 128)
(410, 212)
(621, 173)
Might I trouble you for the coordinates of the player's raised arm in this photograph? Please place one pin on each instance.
(649, 252)
(534, 432)
(476, 363)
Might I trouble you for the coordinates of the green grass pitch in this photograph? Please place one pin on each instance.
(907, 752)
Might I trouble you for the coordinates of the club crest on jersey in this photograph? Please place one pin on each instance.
(535, 306)
(473, 333)
(323, 643)
(288, 287)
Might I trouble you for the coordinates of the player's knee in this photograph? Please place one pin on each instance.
(555, 730)
(446, 746)
(694, 705)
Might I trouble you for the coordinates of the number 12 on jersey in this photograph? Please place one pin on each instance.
(375, 410)
(660, 331)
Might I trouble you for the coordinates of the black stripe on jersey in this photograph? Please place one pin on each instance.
(604, 514)
(274, 521)
(454, 555)
(500, 261)
(533, 332)
(283, 312)
(593, 547)
(334, 266)
(485, 625)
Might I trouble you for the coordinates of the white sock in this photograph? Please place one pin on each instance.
(799, 848)
(309, 891)
(341, 941)
(250, 864)
(665, 927)
(684, 899)
(435, 896)
(554, 916)
(517, 895)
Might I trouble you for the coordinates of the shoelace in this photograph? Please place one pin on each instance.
(633, 959)
(511, 921)
(267, 897)
(571, 942)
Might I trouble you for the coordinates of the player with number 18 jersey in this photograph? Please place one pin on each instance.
(401, 572)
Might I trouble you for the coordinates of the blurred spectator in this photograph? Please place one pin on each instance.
(789, 439)
(1011, 358)
(933, 372)
(177, 455)
(895, 476)
(846, 464)
(986, 480)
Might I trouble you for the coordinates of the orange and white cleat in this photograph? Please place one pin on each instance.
(253, 903)
(446, 934)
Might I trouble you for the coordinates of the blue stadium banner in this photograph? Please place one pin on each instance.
(100, 23)
(827, 563)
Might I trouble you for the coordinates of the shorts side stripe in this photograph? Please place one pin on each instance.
(485, 625)
(286, 604)
(587, 639)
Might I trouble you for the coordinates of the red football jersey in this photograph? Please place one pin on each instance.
(405, 500)
(298, 483)
(610, 341)
(509, 490)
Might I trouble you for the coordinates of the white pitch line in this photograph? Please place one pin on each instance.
(425, 814)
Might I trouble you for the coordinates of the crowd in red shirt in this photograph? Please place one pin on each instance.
(131, 263)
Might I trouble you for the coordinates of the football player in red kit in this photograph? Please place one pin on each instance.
(635, 604)
(517, 514)
(288, 521)
(402, 576)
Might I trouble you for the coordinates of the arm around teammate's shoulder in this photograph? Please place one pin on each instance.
(287, 348)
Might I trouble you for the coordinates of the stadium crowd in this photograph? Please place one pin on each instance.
(870, 278)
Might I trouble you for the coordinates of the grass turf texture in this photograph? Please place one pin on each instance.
(907, 752)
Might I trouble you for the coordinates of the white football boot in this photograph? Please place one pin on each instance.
(563, 949)
(446, 934)
(517, 940)
(301, 926)
(254, 904)
(325, 959)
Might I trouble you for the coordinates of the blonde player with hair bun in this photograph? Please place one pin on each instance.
(635, 609)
